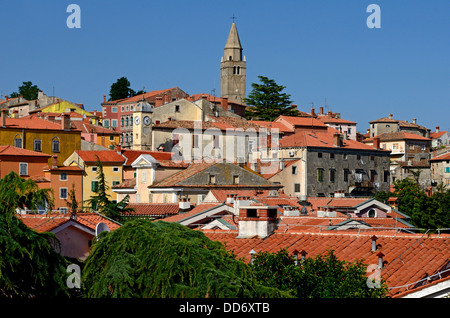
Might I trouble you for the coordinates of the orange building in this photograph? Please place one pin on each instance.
(26, 163)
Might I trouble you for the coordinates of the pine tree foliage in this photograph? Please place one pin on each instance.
(101, 201)
(16, 192)
(160, 259)
(322, 276)
(29, 265)
(267, 101)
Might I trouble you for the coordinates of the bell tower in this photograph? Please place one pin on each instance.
(233, 69)
(142, 126)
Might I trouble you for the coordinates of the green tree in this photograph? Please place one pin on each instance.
(29, 265)
(267, 101)
(322, 276)
(121, 89)
(71, 201)
(27, 90)
(16, 192)
(158, 259)
(101, 201)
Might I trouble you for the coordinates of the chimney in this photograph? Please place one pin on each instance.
(225, 103)
(184, 204)
(54, 161)
(345, 135)
(374, 243)
(437, 129)
(7, 97)
(313, 112)
(3, 117)
(321, 110)
(230, 198)
(166, 98)
(380, 260)
(337, 140)
(104, 98)
(414, 121)
(259, 221)
(159, 101)
(376, 143)
(65, 121)
(390, 116)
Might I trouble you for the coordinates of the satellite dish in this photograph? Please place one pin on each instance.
(101, 227)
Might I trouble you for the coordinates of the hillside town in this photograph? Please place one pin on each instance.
(305, 182)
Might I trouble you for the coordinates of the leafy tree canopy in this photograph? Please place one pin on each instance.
(267, 101)
(29, 265)
(160, 259)
(121, 89)
(322, 276)
(16, 192)
(27, 90)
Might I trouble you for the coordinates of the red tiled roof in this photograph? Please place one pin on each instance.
(399, 135)
(90, 128)
(132, 155)
(334, 120)
(32, 123)
(272, 125)
(301, 121)
(407, 258)
(46, 223)
(443, 157)
(153, 209)
(14, 151)
(435, 135)
(139, 97)
(322, 139)
(103, 155)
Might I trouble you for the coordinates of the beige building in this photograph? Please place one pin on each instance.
(440, 170)
(233, 69)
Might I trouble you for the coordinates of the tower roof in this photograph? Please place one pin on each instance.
(233, 41)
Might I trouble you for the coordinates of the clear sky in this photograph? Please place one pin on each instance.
(322, 51)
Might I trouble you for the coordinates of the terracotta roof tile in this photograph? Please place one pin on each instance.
(153, 209)
(14, 151)
(102, 155)
(408, 256)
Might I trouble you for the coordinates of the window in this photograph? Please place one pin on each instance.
(346, 174)
(319, 155)
(63, 193)
(18, 141)
(23, 169)
(94, 186)
(111, 138)
(252, 213)
(345, 156)
(195, 141)
(55, 144)
(386, 176)
(115, 169)
(122, 122)
(216, 141)
(447, 169)
(372, 158)
(114, 183)
(320, 174)
(37, 145)
(372, 213)
(358, 157)
(235, 179)
(359, 175)
(296, 187)
(177, 108)
(373, 174)
(294, 169)
(126, 121)
(63, 210)
(114, 123)
(63, 176)
(114, 109)
(94, 169)
(331, 155)
(175, 139)
(212, 179)
(332, 174)
(106, 123)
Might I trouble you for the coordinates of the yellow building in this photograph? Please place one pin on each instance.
(40, 135)
(87, 160)
(63, 106)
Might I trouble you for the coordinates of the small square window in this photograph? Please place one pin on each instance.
(23, 169)
(63, 193)
(63, 176)
(94, 169)
(115, 169)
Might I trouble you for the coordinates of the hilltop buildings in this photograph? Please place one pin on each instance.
(303, 183)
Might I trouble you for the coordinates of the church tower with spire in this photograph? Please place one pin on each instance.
(233, 69)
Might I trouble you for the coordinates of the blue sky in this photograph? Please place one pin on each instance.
(320, 50)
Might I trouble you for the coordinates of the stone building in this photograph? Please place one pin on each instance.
(233, 69)
(391, 125)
